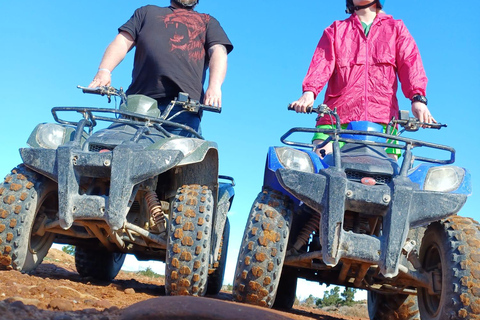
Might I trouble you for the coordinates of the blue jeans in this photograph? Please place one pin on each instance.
(186, 118)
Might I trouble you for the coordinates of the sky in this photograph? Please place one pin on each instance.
(50, 47)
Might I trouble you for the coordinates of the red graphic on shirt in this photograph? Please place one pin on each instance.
(187, 32)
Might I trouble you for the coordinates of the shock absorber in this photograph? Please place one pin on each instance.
(157, 215)
(311, 226)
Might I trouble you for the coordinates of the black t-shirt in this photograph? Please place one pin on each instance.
(171, 50)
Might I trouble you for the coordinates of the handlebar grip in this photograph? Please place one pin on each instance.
(211, 109)
(90, 90)
(290, 108)
(436, 125)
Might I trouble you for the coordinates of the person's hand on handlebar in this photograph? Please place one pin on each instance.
(102, 78)
(213, 97)
(421, 112)
(305, 103)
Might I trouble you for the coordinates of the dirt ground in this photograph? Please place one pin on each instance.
(56, 291)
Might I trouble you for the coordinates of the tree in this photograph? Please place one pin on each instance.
(331, 298)
(348, 296)
(310, 301)
(69, 249)
(334, 298)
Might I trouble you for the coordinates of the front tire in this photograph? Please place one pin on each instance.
(27, 202)
(263, 249)
(100, 264)
(189, 241)
(450, 250)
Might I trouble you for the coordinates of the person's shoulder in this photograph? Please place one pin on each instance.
(387, 18)
(152, 8)
(341, 24)
(203, 15)
(206, 18)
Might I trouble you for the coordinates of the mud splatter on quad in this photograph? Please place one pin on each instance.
(359, 219)
(131, 187)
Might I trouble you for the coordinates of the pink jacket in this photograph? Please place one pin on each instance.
(362, 71)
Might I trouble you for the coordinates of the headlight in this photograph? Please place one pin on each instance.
(186, 146)
(294, 159)
(444, 178)
(50, 135)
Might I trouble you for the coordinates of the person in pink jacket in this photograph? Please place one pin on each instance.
(360, 59)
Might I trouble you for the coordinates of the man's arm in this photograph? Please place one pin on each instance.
(114, 54)
(218, 70)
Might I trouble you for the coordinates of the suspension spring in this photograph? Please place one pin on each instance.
(157, 216)
(311, 226)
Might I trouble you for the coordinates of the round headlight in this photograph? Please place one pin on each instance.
(50, 135)
(444, 178)
(294, 159)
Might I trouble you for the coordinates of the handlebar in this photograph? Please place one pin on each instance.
(407, 122)
(413, 124)
(105, 91)
(182, 101)
(191, 105)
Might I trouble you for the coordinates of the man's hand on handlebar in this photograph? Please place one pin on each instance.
(102, 78)
(304, 104)
(213, 97)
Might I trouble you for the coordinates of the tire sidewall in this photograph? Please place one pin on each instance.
(454, 242)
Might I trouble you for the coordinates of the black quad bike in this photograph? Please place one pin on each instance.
(359, 219)
(131, 187)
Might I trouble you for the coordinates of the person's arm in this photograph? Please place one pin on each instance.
(114, 54)
(412, 74)
(217, 69)
(319, 72)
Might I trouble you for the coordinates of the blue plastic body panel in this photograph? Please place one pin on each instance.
(364, 126)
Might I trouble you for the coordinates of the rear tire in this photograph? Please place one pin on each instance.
(287, 289)
(451, 250)
(27, 202)
(215, 279)
(263, 249)
(189, 239)
(100, 265)
(392, 306)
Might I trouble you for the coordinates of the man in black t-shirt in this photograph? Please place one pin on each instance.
(174, 47)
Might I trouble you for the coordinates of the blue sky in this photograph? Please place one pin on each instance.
(50, 47)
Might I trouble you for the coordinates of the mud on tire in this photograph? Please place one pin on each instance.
(263, 249)
(392, 306)
(451, 249)
(27, 200)
(189, 238)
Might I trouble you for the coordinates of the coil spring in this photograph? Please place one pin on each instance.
(156, 213)
(311, 226)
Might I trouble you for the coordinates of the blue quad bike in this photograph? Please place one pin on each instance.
(129, 188)
(359, 219)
